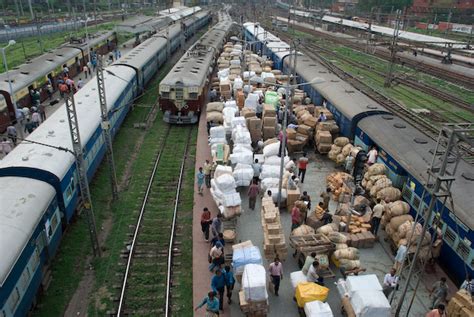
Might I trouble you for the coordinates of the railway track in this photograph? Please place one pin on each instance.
(450, 76)
(409, 82)
(154, 243)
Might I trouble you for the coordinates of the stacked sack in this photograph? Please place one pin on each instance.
(344, 256)
(242, 254)
(269, 121)
(271, 169)
(382, 187)
(461, 304)
(214, 112)
(254, 124)
(340, 150)
(328, 125)
(254, 297)
(242, 150)
(409, 233)
(274, 244)
(394, 209)
(217, 135)
(229, 114)
(336, 181)
(224, 194)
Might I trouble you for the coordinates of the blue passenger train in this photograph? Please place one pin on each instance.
(405, 150)
(38, 184)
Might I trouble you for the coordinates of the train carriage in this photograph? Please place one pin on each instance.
(184, 90)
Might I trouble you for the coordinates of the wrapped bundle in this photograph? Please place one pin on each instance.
(376, 169)
(379, 185)
(337, 237)
(243, 174)
(302, 230)
(347, 253)
(389, 194)
(326, 229)
(254, 283)
(245, 255)
(396, 222)
(341, 246)
(341, 141)
(214, 106)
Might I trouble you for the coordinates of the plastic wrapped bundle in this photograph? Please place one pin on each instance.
(248, 74)
(217, 195)
(231, 104)
(271, 149)
(309, 291)
(244, 256)
(231, 199)
(223, 73)
(370, 303)
(241, 148)
(241, 135)
(251, 101)
(342, 288)
(317, 309)
(217, 132)
(244, 157)
(363, 283)
(275, 160)
(254, 283)
(225, 183)
(238, 121)
(243, 174)
(221, 170)
(269, 182)
(270, 171)
(296, 278)
(274, 191)
(215, 141)
(238, 83)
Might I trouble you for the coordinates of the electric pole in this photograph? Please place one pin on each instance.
(393, 50)
(369, 35)
(81, 171)
(106, 128)
(38, 29)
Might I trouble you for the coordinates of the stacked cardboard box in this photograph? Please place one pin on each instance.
(461, 305)
(274, 243)
(240, 99)
(253, 309)
(225, 88)
(254, 125)
(292, 196)
(323, 141)
(269, 121)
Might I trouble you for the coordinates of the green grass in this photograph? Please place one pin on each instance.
(28, 48)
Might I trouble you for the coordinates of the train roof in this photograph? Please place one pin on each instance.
(39, 67)
(180, 12)
(55, 130)
(192, 68)
(411, 36)
(23, 203)
(415, 157)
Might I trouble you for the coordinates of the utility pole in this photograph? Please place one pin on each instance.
(450, 14)
(369, 34)
(440, 177)
(106, 127)
(393, 50)
(38, 29)
(81, 171)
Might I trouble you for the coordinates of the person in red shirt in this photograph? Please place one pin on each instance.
(438, 312)
(295, 218)
(253, 193)
(206, 222)
(302, 164)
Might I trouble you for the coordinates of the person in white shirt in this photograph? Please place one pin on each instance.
(6, 146)
(313, 274)
(36, 119)
(377, 216)
(400, 256)
(390, 282)
(372, 156)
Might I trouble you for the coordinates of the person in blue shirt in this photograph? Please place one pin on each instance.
(229, 282)
(218, 286)
(200, 180)
(211, 302)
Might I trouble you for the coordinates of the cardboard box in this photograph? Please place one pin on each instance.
(256, 135)
(290, 134)
(323, 137)
(269, 110)
(304, 129)
(247, 112)
(240, 99)
(355, 240)
(268, 132)
(273, 228)
(324, 148)
(294, 146)
(362, 240)
(369, 239)
(292, 196)
(310, 121)
(269, 122)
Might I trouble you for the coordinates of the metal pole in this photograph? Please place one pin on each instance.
(106, 127)
(283, 144)
(38, 28)
(393, 50)
(434, 198)
(12, 95)
(82, 171)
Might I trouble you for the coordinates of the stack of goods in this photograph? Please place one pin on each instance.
(336, 181)
(296, 278)
(274, 244)
(214, 112)
(323, 141)
(328, 125)
(242, 254)
(384, 189)
(225, 86)
(363, 295)
(409, 233)
(340, 150)
(461, 305)
(242, 150)
(229, 113)
(347, 258)
(226, 197)
(254, 124)
(270, 175)
(308, 292)
(253, 296)
(302, 230)
(217, 135)
(272, 98)
(269, 121)
(394, 209)
(317, 309)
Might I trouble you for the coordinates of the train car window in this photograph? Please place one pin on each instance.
(406, 193)
(34, 259)
(14, 299)
(54, 221)
(25, 279)
(450, 236)
(463, 250)
(69, 192)
(416, 201)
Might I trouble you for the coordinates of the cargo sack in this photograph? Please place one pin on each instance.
(326, 229)
(396, 222)
(347, 253)
(398, 208)
(215, 116)
(376, 169)
(214, 106)
(302, 230)
(337, 237)
(389, 194)
(349, 264)
(341, 246)
(341, 141)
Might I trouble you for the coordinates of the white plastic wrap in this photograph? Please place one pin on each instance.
(235, 62)
(225, 183)
(271, 149)
(296, 278)
(230, 103)
(223, 73)
(244, 157)
(260, 158)
(245, 255)
(231, 199)
(249, 74)
(251, 101)
(363, 283)
(342, 288)
(370, 304)
(221, 170)
(275, 160)
(214, 141)
(238, 121)
(281, 91)
(238, 83)
(229, 112)
(269, 182)
(243, 174)
(217, 195)
(238, 148)
(254, 283)
(217, 132)
(274, 191)
(270, 171)
(241, 135)
(247, 89)
(317, 309)
(290, 165)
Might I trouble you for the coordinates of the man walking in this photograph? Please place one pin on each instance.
(212, 304)
(218, 286)
(252, 194)
(295, 217)
(206, 222)
(11, 133)
(308, 262)
(229, 282)
(200, 180)
(257, 169)
(276, 273)
(216, 225)
(390, 282)
(326, 198)
(302, 164)
(207, 173)
(377, 216)
(36, 119)
(439, 292)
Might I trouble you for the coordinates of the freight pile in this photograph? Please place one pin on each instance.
(379, 185)
(253, 296)
(274, 244)
(344, 256)
(461, 305)
(341, 149)
(337, 182)
(223, 191)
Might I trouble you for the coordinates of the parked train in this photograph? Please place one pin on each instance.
(36, 73)
(38, 184)
(402, 148)
(184, 90)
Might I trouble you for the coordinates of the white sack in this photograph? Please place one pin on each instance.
(317, 309)
(217, 132)
(269, 182)
(275, 160)
(270, 171)
(225, 183)
(245, 157)
(370, 304)
(221, 170)
(296, 278)
(231, 199)
(368, 282)
(271, 149)
(254, 283)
